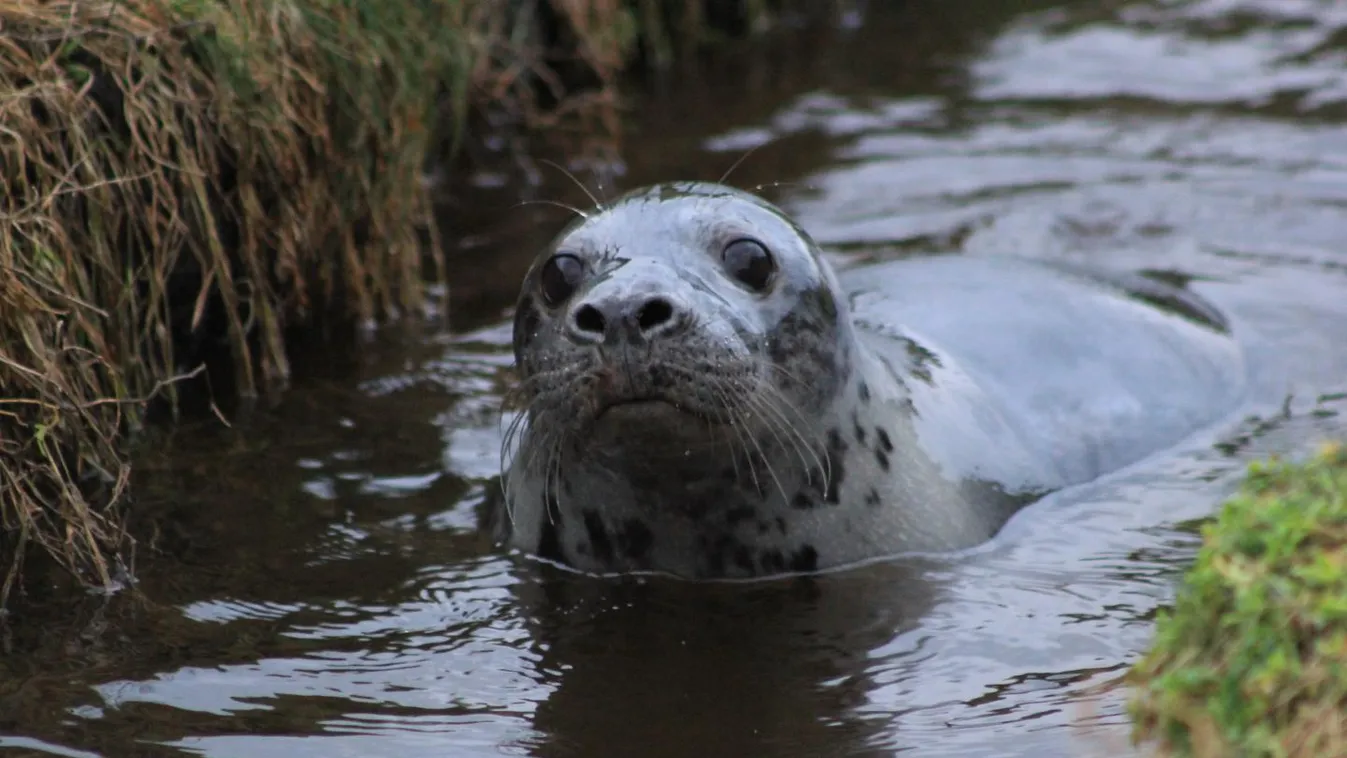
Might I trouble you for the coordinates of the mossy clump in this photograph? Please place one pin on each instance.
(1252, 659)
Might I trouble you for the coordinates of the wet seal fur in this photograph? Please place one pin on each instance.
(676, 417)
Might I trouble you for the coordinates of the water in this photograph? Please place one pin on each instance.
(319, 587)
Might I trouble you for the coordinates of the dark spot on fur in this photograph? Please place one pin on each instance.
(883, 459)
(826, 303)
(549, 541)
(743, 559)
(872, 497)
(772, 561)
(860, 430)
(804, 560)
(697, 508)
(720, 552)
(806, 338)
(781, 524)
(549, 544)
(884, 442)
(740, 514)
(864, 391)
(922, 360)
(764, 527)
(598, 536)
(634, 539)
(802, 501)
(716, 563)
(835, 441)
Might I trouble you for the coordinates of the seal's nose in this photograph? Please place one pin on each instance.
(631, 317)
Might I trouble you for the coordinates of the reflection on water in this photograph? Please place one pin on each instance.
(321, 588)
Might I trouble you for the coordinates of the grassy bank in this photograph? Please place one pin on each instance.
(181, 178)
(188, 181)
(1252, 660)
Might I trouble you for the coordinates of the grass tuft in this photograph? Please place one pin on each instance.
(180, 172)
(1252, 659)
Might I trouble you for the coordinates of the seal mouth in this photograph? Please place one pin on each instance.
(654, 397)
(637, 404)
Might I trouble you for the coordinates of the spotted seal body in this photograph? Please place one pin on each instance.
(702, 395)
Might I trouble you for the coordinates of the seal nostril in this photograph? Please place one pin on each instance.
(654, 313)
(589, 319)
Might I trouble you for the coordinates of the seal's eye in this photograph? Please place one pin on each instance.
(560, 276)
(749, 262)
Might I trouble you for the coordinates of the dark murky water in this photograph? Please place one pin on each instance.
(322, 590)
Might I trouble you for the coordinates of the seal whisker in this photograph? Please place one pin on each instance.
(765, 185)
(525, 395)
(773, 418)
(745, 401)
(578, 183)
(508, 488)
(524, 463)
(556, 203)
(523, 436)
(784, 404)
(771, 408)
(735, 437)
(775, 412)
(510, 432)
(550, 475)
(510, 444)
(739, 160)
(767, 461)
(781, 409)
(516, 431)
(544, 449)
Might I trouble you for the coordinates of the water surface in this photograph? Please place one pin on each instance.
(320, 588)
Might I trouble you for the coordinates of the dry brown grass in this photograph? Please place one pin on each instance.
(179, 171)
(162, 159)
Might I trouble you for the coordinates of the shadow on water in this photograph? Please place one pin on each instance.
(317, 584)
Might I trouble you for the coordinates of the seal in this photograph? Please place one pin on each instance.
(701, 394)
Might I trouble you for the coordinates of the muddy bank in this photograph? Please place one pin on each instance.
(192, 188)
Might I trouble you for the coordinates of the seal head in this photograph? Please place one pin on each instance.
(676, 351)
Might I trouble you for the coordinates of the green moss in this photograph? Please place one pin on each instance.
(1252, 660)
